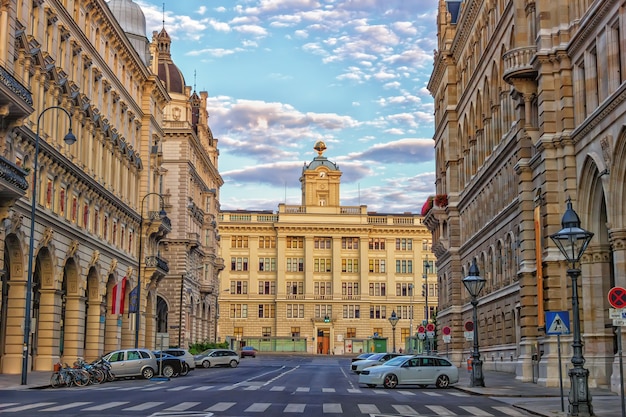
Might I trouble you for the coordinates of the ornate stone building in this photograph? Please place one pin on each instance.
(97, 203)
(321, 277)
(529, 109)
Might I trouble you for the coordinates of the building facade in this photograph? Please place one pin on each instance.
(101, 210)
(321, 277)
(529, 110)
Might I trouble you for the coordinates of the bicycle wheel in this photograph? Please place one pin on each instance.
(55, 380)
(81, 377)
(110, 376)
(97, 376)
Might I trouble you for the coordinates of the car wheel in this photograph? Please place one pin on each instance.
(390, 381)
(233, 363)
(443, 381)
(147, 373)
(206, 364)
(371, 385)
(168, 371)
(184, 369)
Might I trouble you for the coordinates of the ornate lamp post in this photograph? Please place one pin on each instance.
(474, 284)
(572, 242)
(69, 139)
(411, 289)
(162, 215)
(393, 320)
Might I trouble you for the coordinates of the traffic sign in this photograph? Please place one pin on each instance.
(617, 313)
(617, 297)
(430, 327)
(446, 330)
(469, 335)
(557, 322)
(469, 326)
(421, 329)
(447, 338)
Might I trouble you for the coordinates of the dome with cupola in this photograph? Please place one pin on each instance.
(132, 20)
(169, 73)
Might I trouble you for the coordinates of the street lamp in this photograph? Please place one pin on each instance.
(393, 320)
(474, 284)
(572, 242)
(69, 139)
(425, 288)
(411, 321)
(162, 215)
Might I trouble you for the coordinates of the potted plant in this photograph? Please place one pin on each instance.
(441, 200)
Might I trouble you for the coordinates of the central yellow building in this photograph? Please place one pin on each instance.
(325, 278)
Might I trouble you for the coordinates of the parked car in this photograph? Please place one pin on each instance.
(362, 356)
(411, 370)
(132, 362)
(217, 357)
(170, 366)
(248, 351)
(182, 354)
(374, 360)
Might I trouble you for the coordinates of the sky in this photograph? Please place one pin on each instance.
(284, 74)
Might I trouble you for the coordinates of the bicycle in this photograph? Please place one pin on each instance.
(66, 376)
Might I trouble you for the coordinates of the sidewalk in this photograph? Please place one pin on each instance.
(537, 399)
(533, 398)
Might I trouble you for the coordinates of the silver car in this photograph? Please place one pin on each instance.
(374, 360)
(132, 362)
(217, 357)
(411, 370)
(182, 354)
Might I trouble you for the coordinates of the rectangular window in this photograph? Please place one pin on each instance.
(267, 287)
(322, 243)
(323, 288)
(322, 265)
(377, 266)
(267, 242)
(266, 311)
(295, 287)
(378, 312)
(239, 311)
(267, 331)
(349, 265)
(351, 332)
(377, 243)
(404, 289)
(295, 242)
(238, 332)
(349, 243)
(267, 264)
(378, 289)
(295, 311)
(295, 332)
(239, 287)
(349, 288)
(404, 266)
(404, 244)
(351, 311)
(239, 242)
(378, 331)
(295, 264)
(323, 311)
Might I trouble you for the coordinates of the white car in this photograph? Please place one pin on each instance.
(182, 354)
(374, 360)
(411, 370)
(217, 357)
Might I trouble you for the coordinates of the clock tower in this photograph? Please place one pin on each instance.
(320, 181)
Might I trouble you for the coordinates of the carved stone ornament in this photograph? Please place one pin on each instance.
(606, 143)
(113, 266)
(13, 223)
(47, 237)
(95, 257)
(73, 248)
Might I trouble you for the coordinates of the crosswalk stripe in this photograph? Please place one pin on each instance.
(294, 408)
(476, 411)
(303, 389)
(144, 406)
(182, 387)
(380, 392)
(369, 409)
(204, 388)
(223, 406)
(252, 388)
(258, 407)
(328, 390)
(509, 411)
(332, 408)
(66, 406)
(105, 406)
(277, 388)
(440, 411)
(404, 409)
(432, 394)
(228, 388)
(406, 392)
(457, 393)
(182, 406)
(25, 407)
(152, 388)
(8, 404)
(354, 391)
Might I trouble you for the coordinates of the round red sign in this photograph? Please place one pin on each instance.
(421, 329)
(469, 326)
(617, 297)
(446, 330)
(430, 327)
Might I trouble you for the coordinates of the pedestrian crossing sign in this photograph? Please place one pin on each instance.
(557, 322)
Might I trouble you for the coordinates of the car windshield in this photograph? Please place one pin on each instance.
(397, 361)
(206, 352)
(375, 357)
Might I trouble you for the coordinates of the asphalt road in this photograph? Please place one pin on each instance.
(310, 386)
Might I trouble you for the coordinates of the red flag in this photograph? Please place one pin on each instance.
(119, 290)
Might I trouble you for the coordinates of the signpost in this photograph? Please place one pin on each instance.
(447, 337)
(469, 330)
(557, 323)
(617, 300)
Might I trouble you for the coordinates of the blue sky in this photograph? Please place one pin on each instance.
(283, 74)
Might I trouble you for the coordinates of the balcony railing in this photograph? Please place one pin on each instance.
(517, 63)
(156, 262)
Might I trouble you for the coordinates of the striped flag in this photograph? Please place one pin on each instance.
(119, 291)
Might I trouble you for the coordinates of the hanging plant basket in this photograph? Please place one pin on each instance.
(441, 200)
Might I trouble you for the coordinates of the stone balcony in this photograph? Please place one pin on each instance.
(519, 70)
